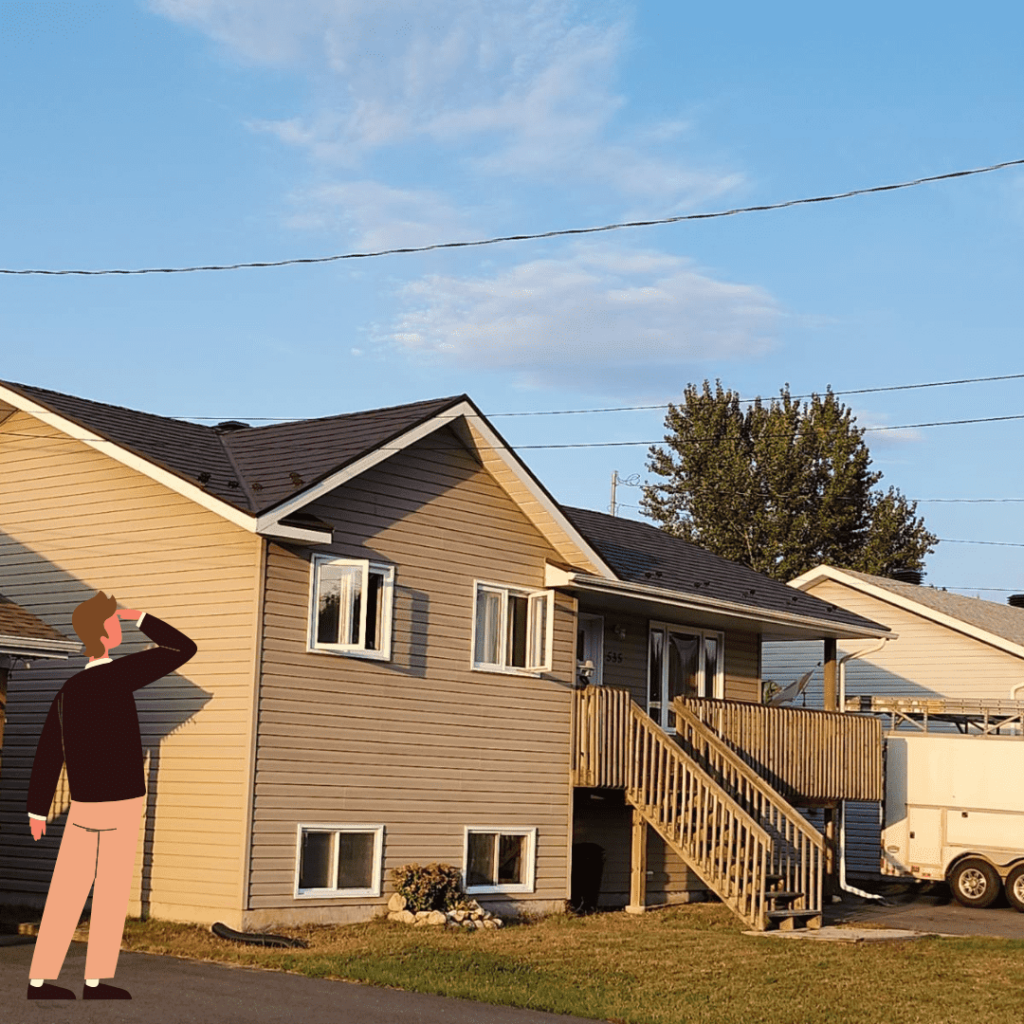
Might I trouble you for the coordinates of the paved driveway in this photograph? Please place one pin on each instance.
(166, 990)
(929, 909)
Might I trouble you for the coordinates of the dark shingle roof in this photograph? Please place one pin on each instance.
(1000, 620)
(640, 553)
(251, 468)
(18, 622)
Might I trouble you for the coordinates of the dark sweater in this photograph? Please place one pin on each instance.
(99, 735)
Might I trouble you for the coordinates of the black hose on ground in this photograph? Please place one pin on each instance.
(222, 931)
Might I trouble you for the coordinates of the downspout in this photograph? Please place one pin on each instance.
(843, 884)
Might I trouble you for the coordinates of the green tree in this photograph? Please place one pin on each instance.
(779, 486)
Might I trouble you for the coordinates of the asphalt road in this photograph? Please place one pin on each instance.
(930, 909)
(166, 990)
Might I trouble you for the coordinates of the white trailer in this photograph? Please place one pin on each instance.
(954, 801)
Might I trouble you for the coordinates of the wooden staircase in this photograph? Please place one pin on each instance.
(748, 845)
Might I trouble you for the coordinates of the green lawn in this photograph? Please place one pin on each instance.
(686, 965)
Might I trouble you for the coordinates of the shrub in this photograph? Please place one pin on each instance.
(435, 887)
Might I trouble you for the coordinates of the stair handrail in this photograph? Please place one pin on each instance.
(741, 882)
(645, 721)
(713, 740)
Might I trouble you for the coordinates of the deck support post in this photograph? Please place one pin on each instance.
(831, 688)
(830, 874)
(638, 866)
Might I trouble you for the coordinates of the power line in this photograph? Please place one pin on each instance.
(634, 444)
(641, 408)
(994, 543)
(524, 237)
(750, 401)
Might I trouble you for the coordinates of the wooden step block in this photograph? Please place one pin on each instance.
(776, 895)
(790, 920)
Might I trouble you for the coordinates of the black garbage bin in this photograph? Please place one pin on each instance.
(587, 869)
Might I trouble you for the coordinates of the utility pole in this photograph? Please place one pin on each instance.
(615, 483)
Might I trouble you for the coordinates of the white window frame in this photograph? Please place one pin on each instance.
(387, 598)
(330, 892)
(718, 689)
(534, 599)
(529, 882)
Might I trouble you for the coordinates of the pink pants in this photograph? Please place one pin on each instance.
(99, 846)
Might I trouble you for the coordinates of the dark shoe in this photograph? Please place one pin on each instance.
(48, 991)
(102, 991)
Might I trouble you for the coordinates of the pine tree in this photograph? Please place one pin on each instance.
(780, 487)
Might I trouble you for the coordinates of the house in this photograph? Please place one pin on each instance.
(941, 645)
(394, 619)
(25, 638)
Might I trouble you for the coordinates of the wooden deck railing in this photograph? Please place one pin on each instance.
(810, 757)
(711, 808)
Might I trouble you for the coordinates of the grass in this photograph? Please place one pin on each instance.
(684, 965)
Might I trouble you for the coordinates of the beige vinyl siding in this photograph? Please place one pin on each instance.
(600, 822)
(544, 521)
(743, 667)
(74, 521)
(421, 744)
(742, 656)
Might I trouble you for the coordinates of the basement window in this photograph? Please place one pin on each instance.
(500, 859)
(338, 860)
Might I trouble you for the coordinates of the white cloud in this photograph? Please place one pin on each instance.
(508, 87)
(376, 216)
(601, 318)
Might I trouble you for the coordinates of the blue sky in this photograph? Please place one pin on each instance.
(182, 132)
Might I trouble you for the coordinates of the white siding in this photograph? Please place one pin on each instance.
(925, 660)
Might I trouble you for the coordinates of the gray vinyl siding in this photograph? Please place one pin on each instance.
(73, 522)
(420, 744)
(927, 659)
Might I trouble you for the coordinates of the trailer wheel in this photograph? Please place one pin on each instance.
(1015, 888)
(975, 883)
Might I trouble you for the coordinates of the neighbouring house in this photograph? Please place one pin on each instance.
(941, 645)
(408, 651)
(25, 638)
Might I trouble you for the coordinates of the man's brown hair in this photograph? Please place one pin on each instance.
(88, 619)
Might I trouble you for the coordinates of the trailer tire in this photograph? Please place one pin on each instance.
(974, 882)
(1015, 888)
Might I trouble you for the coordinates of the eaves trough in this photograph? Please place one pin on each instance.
(704, 609)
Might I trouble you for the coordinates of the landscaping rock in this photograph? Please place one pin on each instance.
(436, 917)
(397, 902)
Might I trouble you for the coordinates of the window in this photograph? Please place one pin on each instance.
(338, 860)
(512, 629)
(682, 662)
(500, 859)
(351, 607)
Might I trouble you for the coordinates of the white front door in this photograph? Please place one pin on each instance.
(681, 663)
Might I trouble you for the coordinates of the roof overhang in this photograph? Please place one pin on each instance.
(808, 580)
(706, 611)
(21, 647)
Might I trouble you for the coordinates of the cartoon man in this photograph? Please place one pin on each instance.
(93, 728)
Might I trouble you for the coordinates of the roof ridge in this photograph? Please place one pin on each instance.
(448, 400)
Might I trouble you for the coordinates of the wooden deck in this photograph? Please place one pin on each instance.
(747, 843)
